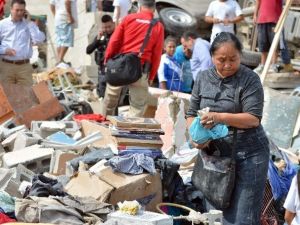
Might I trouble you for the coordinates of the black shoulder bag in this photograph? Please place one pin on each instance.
(213, 175)
(125, 69)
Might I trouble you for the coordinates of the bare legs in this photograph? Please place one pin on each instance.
(61, 52)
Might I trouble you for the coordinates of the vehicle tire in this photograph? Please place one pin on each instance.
(250, 58)
(176, 20)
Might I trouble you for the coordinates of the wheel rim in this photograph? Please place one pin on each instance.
(179, 17)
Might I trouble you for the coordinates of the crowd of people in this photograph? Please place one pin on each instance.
(210, 70)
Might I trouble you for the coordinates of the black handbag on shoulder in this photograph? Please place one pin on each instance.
(125, 69)
(214, 175)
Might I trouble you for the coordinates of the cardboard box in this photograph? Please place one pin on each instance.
(86, 184)
(90, 127)
(133, 187)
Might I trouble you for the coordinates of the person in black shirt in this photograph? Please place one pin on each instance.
(99, 44)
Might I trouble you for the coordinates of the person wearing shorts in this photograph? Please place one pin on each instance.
(65, 13)
(266, 15)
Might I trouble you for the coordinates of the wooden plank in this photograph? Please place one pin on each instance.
(276, 39)
(282, 80)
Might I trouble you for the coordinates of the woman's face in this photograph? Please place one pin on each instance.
(226, 59)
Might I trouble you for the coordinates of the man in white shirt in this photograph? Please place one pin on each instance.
(17, 35)
(65, 12)
(121, 10)
(223, 14)
(292, 204)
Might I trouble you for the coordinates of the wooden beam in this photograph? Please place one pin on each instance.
(276, 39)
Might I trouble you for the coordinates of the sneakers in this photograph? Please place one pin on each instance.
(259, 69)
(63, 65)
(272, 69)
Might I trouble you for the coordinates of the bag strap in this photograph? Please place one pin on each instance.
(236, 110)
(152, 23)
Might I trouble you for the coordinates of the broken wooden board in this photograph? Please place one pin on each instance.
(282, 80)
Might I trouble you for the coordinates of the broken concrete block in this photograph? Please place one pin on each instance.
(24, 139)
(59, 160)
(5, 176)
(34, 158)
(24, 174)
(164, 116)
(9, 142)
(171, 114)
(71, 127)
(48, 128)
(12, 188)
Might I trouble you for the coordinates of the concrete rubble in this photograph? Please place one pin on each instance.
(50, 160)
(51, 147)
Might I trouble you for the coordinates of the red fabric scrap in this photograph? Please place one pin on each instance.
(95, 117)
(5, 219)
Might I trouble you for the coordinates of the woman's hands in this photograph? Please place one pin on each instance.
(199, 146)
(208, 120)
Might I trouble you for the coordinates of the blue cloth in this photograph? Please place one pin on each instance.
(201, 58)
(132, 164)
(281, 183)
(7, 203)
(19, 36)
(200, 135)
(187, 76)
(170, 72)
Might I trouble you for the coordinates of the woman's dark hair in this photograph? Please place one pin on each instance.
(225, 37)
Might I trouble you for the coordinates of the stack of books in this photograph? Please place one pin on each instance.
(134, 134)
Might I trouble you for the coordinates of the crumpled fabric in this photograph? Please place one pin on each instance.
(46, 210)
(5, 219)
(43, 186)
(61, 210)
(200, 135)
(91, 158)
(7, 203)
(132, 164)
(90, 207)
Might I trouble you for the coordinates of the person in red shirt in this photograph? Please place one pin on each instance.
(266, 15)
(2, 4)
(128, 37)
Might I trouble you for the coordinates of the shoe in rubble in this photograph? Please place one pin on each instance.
(259, 69)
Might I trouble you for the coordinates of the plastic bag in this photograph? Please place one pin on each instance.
(200, 135)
